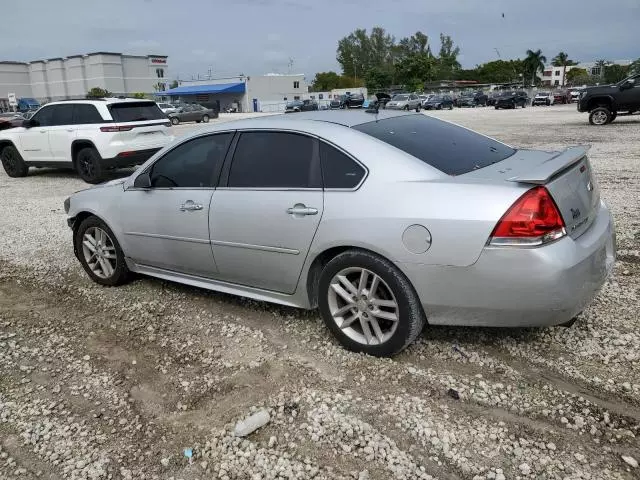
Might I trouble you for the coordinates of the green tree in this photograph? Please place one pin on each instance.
(139, 95)
(174, 84)
(614, 73)
(533, 63)
(562, 60)
(447, 62)
(378, 78)
(602, 64)
(577, 76)
(635, 67)
(358, 52)
(97, 92)
(415, 68)
(499, 71)
(325, 81)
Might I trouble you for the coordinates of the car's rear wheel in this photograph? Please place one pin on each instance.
(205, 118)
(99, 253)
(13, 163)
(406, 107)
(600, 116)
(89, 165)
(418, 109)
(368, 304)
(451, 107)
(175, 120)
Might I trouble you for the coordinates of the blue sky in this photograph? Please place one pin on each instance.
(260, 36)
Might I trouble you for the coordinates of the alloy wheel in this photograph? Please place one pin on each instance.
(86, 166)
(599, 118)
(99, 252)
(363, 306)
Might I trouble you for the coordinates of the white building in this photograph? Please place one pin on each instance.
(552, 76)
(72, 77)
(254, 93)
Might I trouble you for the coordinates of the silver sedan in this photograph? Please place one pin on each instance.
(384, 221)
(405, 101)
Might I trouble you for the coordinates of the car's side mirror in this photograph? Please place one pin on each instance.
(29, 123)
(142, 181)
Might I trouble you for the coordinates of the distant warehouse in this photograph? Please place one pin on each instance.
(72, 77)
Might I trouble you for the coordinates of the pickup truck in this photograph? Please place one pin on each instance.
(605, 102)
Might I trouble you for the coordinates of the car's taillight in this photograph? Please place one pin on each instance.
(115, 129)
(534, 219)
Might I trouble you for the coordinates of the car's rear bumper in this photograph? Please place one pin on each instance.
(519, 287)
(127, 159)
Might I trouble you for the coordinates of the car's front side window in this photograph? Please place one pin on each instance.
(192, 164)
(274, 160)
(44, 117)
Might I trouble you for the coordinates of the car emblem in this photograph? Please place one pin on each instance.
(589, 186)
(575, 213)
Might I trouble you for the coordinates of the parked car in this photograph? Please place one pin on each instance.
(354, 100)
(28, 104)
(287, 224)
(492, 98)
(11, 120)
(338, 102)
(472, 99)
(605, 102)
(575, 94)
(438, 102)
(90, 136)
(561, 97)
(301, 106)
(405, 101)
(512, 100)
(383, 99)
(167, 108)
(192, 113)
(543, 98)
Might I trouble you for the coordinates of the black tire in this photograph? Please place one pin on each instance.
(418, 109)
(13, 163)
(451, 107)
(88, 164)
(205, 118)
(411, 316)
(121, 273)
(600, 116)
(524, 104)
(406, 108)
(513, 105)
(497, 107)
(175, 121)
(548, 103)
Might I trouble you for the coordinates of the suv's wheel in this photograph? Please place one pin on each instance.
(599, 116)
(99, 252)
(175, 120)
(418, 109)
(368, 304)
(13, 163)
(89, 165)
(205, 118)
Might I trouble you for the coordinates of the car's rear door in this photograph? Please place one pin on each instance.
(167, 226)
(267, 209)
(62, 133)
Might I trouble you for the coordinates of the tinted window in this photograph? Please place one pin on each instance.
(338, 170)
(62, 115)
(85, 113)
(44, 117)
(273, 160)
(135, 111)
(453, 150)
(192, 164)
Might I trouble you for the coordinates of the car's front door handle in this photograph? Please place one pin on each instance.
(302, 209)
(189, 206)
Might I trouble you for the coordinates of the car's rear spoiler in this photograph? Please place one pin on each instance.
(555, 165)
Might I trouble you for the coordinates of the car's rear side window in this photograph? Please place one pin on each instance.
(86, 114)
(449, 148)
(338, 170)
(135, 111)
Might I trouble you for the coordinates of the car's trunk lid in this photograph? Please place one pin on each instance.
(567, 176)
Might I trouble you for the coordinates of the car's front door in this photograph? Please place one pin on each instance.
(267, 209)
(62, 133)
(167, 226)
(629, 97)
(34, 141)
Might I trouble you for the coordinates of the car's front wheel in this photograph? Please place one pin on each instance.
(205, 118)
(89, 165)
(368, 304)
(600, 116)
(99, 252)
(13, 163)
(175, 120)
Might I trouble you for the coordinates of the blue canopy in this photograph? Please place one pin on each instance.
(204, 89)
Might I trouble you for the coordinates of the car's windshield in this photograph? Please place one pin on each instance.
(543, 94)
(401, 97)
(449, 148)
(436, 98)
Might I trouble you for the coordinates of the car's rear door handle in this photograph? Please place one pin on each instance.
(302, 209)
(190, 206)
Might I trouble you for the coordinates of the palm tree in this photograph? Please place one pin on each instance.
(562, 60)
(534, 62)
(602, 64)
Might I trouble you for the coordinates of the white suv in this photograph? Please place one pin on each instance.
(90, 136)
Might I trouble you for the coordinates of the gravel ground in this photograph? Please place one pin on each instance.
(106, 383)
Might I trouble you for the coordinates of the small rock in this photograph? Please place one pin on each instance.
(551, 446)
(272, 442)
(165, 462)
(86, 358)
(525, 469)
(364, 475)
(630, 461)
(453, 394)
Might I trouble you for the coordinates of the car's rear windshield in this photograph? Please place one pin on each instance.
(449, 148)
(135, 111)
(401, 97)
